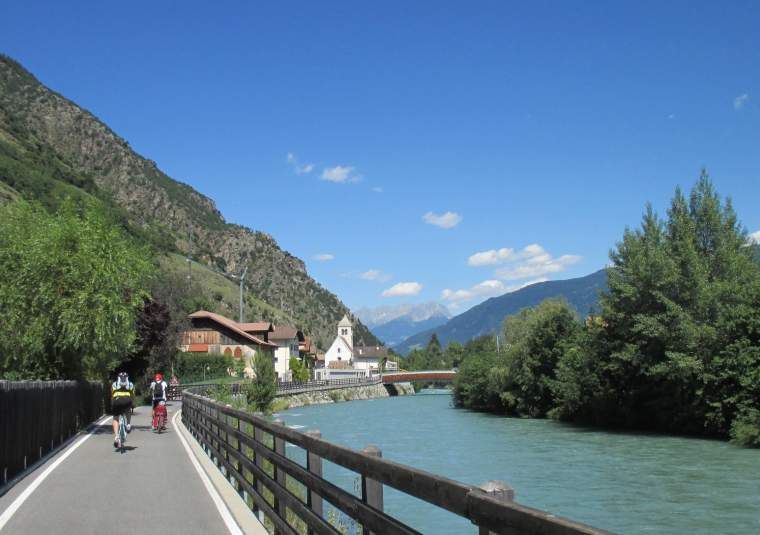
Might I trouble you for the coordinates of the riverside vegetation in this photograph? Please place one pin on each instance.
(675, 348)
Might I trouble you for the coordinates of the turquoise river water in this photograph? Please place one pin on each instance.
(624, 482)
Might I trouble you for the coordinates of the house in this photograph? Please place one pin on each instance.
(307, 350)
(260, 329)
(370, 358)
(214, 333)
(343, 359)
(288, 341)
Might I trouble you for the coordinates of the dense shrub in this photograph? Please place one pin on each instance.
(194, 367)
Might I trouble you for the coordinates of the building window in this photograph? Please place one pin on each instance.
(338, 350)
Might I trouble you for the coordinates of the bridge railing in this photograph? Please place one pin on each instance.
(38, 416)
(294, 387)
(174, 392)
(250, 450)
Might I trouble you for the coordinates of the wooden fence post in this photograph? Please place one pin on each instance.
(279, 474)
(258, 460)
(372, 491)
(314, 465)
(499, 490)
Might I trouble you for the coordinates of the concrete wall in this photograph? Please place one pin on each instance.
(345, 394)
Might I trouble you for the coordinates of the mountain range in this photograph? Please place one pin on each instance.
(51, 148)
(394, 324)
(582, 293)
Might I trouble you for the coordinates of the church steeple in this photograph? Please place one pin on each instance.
(345, 330)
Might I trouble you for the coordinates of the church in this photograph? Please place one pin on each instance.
(344, 360)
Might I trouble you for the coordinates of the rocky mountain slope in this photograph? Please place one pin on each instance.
(582, 293)
(50, 148)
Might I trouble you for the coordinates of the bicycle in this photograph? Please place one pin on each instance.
(122, 433)
(160, 417)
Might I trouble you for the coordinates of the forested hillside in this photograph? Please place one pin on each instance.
(50, 149)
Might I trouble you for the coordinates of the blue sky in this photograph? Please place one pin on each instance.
(463, 146)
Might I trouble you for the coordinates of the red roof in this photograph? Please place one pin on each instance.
(257, 327)
(231, 325)
(286, 332)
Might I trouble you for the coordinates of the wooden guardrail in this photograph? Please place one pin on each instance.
(251, 451)
(38, 416)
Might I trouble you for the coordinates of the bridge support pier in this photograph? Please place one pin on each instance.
(391, 389)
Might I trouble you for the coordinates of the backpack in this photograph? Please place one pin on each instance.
(158, 390)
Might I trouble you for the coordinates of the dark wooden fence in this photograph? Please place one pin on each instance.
(250, 450)
(37, 416)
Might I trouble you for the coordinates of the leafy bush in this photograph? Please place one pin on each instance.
(195, 367)
(745, 430)
(299, 369)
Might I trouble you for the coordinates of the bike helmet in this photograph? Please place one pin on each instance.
(122, 380)
(158, 377)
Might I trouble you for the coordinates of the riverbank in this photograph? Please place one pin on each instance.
(336, 395)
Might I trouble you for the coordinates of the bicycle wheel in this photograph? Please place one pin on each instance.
(122, 432)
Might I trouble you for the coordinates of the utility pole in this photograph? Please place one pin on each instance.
(242, 278)
(498, 350)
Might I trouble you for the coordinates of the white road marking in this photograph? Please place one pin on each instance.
(220, 505)
(19, 501)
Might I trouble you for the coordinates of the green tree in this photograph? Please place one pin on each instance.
(299, 370)
(535, 340)
(71, 286)
(454, 353)
(261, 391)
(677, 346)
(434, 354)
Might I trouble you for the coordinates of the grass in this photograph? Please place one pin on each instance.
(216, 381)
(222, 293)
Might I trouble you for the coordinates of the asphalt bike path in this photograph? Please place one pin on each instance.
(152, 486)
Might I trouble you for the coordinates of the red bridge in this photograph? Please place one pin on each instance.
(426, 375)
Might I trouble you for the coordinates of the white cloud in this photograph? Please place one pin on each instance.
(300, 169)
(531, 261)
(740, 101)
(323, 257)
(402, 289)
(536, 266)
(340, 174)
(755, 237)
(377, 189)
(483, 290)
(491, 257)
(375, 275)
(447, 220)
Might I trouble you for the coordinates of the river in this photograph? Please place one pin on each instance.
(624, 482)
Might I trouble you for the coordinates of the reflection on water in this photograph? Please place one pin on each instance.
(624, 482)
